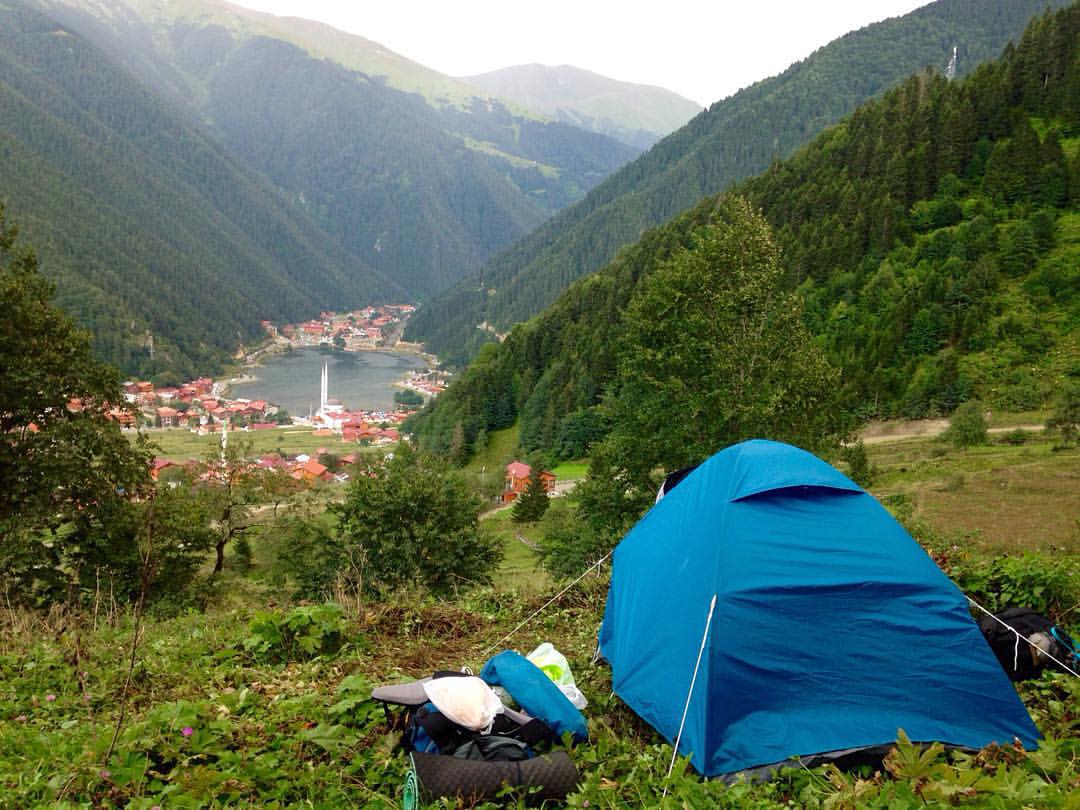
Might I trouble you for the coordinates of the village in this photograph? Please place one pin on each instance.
(373, 328)
(203, 405)
(367, 329)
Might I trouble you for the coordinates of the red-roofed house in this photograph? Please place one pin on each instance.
(517, 480)
(159, 465)
(203, 385)
(311, 470)
(122, 415)
(167, 417)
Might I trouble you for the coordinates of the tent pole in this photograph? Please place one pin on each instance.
(689, 694)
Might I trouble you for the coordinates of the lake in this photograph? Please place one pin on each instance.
(361, 381)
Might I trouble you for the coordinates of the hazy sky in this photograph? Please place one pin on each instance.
(702, 49)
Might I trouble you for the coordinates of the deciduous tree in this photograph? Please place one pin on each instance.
(64, 463)
(1066, 416)
(715, 351)
(967, 427)
(411, 521)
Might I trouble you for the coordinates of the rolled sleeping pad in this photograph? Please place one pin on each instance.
(410, 793)
(438, 775)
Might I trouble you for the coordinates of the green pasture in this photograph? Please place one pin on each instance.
(180, 444)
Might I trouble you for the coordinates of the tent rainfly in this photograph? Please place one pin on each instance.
(832, 628)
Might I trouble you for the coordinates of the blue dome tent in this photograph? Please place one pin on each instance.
(832, 628)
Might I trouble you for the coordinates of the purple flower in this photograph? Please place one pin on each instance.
(187, 731)
(104, 774)
(50, 697)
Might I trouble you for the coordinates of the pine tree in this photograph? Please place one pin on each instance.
(533, 502)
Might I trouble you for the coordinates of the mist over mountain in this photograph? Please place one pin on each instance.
(421, 179)
(636, 114)
(734, 139)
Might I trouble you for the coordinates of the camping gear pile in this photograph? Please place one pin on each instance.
(465, 743)
(767, 607)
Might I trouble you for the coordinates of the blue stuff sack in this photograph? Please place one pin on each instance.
(535, 693)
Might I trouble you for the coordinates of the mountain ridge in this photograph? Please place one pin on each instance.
(933, 237)
(419, 190)
(146, 225)
(636, 114)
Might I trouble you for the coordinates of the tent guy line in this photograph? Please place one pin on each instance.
(548, 603)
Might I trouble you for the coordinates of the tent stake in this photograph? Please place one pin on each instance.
(693, 680)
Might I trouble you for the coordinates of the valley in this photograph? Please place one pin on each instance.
(321, 369)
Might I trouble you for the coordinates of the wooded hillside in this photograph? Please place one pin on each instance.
(934, 237)
(146, 225)
(734, 139)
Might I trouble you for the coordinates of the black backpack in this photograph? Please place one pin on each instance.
(1022, 659)
(512, 736)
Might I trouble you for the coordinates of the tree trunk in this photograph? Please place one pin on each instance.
(219, 563)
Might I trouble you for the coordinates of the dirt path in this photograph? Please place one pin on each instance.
(923, 428)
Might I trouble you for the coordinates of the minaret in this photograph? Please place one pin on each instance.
(324, 391)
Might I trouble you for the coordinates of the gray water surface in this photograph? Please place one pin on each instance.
(363, 381)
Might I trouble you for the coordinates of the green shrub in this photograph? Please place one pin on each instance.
(967, 427)
(1049, 583)
(570, 545)
(300, 634)
(411, 521)
(1016, 437)
(309, 557)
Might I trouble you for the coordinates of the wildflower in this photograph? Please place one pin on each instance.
(187, 731)
(50, 697)
(21, 718)
(104, 774)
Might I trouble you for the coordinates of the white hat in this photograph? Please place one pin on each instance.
(467, 701)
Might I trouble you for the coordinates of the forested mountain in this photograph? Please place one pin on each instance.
(735, 138)
(167, 247)
(632, 113)
(419, 177)
(933, 236)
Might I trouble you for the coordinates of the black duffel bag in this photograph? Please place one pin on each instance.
(1041, 642)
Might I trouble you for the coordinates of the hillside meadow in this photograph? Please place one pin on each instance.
(263, 701)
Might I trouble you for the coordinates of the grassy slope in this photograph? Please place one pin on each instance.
(1000, 496)
(278, 735)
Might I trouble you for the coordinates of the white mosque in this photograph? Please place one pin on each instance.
(331, 412)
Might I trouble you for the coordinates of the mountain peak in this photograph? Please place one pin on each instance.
(636, 114)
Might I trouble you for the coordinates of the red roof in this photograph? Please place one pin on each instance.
(517, 469)
(312, 467)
